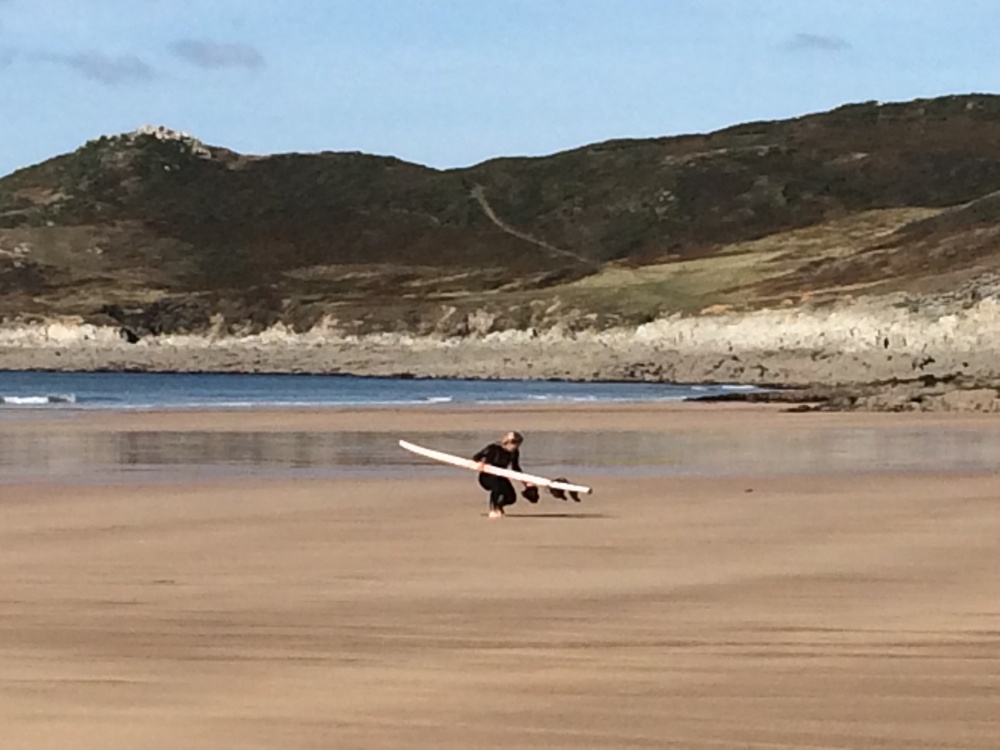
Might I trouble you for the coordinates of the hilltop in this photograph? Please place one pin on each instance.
(165, 234)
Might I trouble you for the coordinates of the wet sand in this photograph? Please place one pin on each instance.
(743, 610)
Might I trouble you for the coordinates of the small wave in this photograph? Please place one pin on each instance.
(38, 400)
(568, 398)
(196, 405)
(738, 387)
(436, 399)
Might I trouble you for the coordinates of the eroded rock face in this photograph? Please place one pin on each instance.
(136, 137)
(835, 359)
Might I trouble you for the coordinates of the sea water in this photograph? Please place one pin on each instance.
(233, 391)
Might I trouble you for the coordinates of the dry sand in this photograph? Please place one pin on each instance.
(840, 611)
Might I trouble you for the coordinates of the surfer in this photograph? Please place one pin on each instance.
(506, 452)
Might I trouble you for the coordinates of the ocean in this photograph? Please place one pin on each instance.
(107, 390)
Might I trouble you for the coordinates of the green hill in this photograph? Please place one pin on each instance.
(163, 233)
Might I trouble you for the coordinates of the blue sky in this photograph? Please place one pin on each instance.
(454, 82)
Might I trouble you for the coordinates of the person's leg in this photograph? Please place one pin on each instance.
(490, 483)
(507, 494)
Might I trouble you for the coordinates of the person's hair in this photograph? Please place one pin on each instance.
(513, 437)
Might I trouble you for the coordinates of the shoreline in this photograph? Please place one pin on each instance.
(430, 417)
(679, 436)
(606, 443)
(925, 392)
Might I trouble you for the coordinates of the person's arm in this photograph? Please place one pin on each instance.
(481, 457)
(515, 464)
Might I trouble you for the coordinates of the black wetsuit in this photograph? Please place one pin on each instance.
(501, 490)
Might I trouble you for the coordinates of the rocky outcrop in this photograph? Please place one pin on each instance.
(863, 355)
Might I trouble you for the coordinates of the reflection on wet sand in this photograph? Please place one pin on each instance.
(83, 454)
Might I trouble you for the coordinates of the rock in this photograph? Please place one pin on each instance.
(978, 399)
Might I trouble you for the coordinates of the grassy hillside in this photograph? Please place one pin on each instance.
(163, 232)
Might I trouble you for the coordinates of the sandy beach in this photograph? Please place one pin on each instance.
(736, 603)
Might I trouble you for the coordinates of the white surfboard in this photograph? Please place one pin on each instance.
(468, 463)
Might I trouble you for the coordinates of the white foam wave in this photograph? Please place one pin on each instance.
(38, 400)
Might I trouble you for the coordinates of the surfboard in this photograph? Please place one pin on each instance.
(468, 463)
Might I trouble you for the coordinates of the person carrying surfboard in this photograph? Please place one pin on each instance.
(492, 461)
(506, 452)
